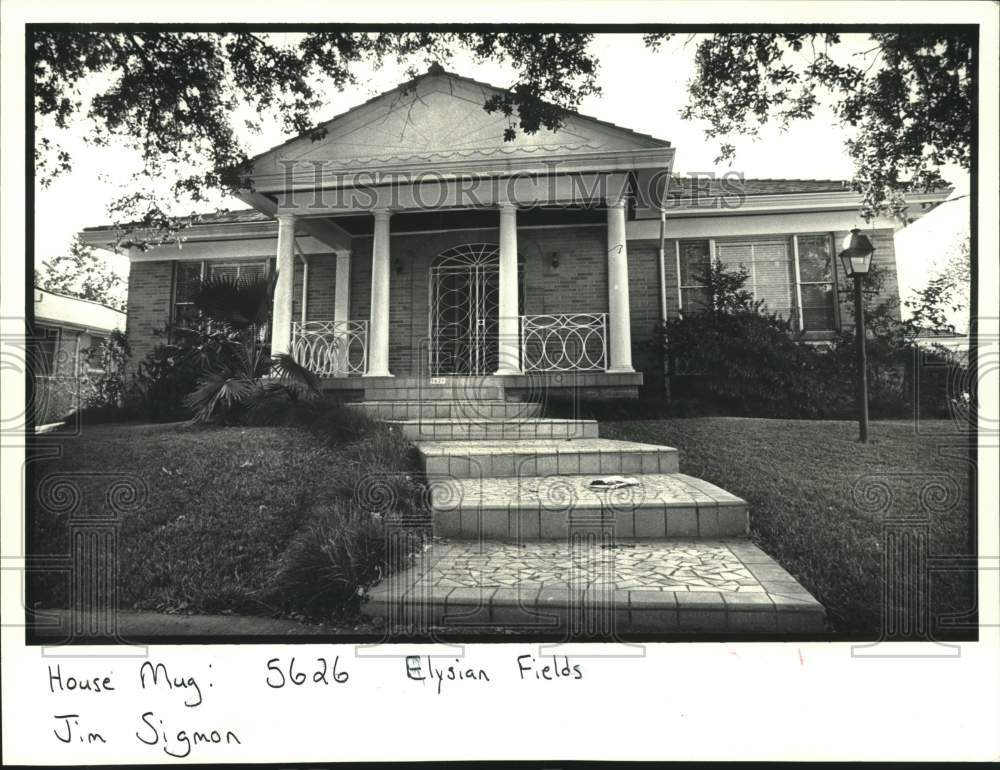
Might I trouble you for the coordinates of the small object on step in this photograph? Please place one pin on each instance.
(613, 482)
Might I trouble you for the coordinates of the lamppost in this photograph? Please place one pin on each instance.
(857, 260)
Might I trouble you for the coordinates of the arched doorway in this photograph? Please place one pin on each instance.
(464, 309)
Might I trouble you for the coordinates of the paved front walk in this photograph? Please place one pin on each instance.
(676, 586)
(524, 540)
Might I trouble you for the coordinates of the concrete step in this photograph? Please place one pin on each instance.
(468, 392)
(472, 409)
(598, 589)
(525, 508)
(518, 429)
(425, 380)
(543, 457)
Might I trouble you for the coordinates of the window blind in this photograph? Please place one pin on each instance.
(771, 269)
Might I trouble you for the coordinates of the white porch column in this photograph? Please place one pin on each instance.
(510, 317)
(619, 319)
(342, 303)
(281, 314)
(342, 288)
(378, 329)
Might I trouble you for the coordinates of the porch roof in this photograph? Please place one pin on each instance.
(682, 192)
(436, 124)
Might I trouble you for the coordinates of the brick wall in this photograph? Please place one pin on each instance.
(578, 284)
(320, 297)
(885, 258)
(149, 297)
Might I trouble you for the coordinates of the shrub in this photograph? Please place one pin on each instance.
(238, 370)
(751, 364)
(338, 555)
(368, 529)
(109, 386)
(163, 378)
(746, 361)
(219, 366)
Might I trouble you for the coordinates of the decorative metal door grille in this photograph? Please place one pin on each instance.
(465, 300)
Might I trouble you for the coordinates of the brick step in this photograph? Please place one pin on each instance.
(483, 410)
(662, 505)
(540, 457)
(445, 429)
(471, 392)
(686, 588)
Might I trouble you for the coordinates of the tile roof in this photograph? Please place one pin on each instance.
(682, 186)
(219, 217)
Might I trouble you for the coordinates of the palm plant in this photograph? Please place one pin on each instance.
(238, 370)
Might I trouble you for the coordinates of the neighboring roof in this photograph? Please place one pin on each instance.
(62, 309)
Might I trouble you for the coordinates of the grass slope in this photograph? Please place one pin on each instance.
(265, 520)
(799, 477)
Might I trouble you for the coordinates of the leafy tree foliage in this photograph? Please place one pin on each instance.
(112, 356)
(909, 98)
(82, 273)
(172, 95)
(947, 293)
(726, 289)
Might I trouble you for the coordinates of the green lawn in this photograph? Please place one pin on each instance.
(798, 475)
(278, 520)
(235, 519)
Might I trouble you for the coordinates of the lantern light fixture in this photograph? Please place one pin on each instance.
(857, 254)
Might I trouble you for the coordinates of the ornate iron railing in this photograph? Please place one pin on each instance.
(331, 348)
(564, 343)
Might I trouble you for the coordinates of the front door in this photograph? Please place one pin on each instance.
(465, 293)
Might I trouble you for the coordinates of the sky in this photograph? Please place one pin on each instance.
(642, 89)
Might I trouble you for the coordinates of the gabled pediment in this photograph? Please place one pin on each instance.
(438, 119)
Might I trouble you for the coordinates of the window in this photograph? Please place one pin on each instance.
(795, 279)
(188, 277)
(817, 291)
(693, 259)
(245, 270)
(44, 349)
(93, 354)
(772, 272)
